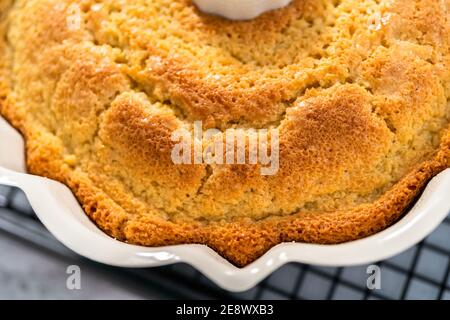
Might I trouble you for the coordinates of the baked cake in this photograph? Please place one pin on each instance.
(359, 91)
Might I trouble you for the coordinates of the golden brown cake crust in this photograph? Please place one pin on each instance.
(359, 90)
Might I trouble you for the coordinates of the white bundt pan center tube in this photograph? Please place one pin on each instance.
(239, 9)
(63, 216)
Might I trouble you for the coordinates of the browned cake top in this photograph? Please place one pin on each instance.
(358, 89)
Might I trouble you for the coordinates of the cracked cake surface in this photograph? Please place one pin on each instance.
(358, 89)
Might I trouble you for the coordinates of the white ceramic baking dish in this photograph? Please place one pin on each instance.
(60, 212)
(240, 9)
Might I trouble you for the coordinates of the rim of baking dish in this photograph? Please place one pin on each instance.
(62, 215)
(240, 9)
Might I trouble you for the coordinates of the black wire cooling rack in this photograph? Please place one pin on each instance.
(422, 272)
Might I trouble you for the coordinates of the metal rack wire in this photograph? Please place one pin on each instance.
(422, 272)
